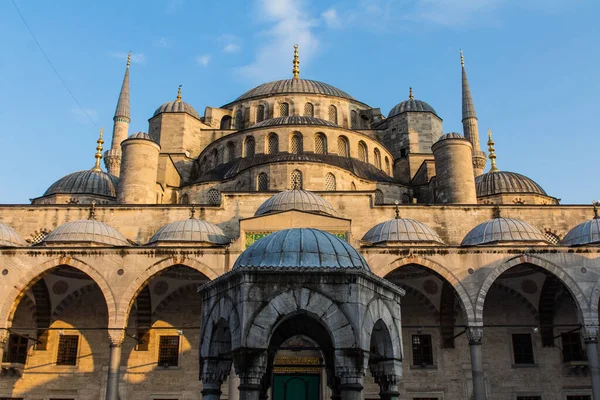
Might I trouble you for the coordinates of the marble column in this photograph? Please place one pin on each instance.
(214, 373)
(351, 381)
(234, 383)
(590, 337)
(475, 335)
(114, 363)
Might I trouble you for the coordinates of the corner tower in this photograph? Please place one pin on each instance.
(469, 121)
(122, 118)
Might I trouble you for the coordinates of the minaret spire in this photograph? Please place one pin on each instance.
(98, 155)
(296, 62)
(470, 123)
(179, 94)
(122, 118)
(492, 154)
(411, 96)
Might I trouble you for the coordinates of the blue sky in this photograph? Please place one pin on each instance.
(532, 65)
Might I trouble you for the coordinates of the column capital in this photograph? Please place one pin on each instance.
(116, 337)
(350, 371)
(387, 374)
(4, 333)
(475, 335)
(250, 366)
(590, 333)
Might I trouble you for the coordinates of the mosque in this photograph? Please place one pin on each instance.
(298, 244)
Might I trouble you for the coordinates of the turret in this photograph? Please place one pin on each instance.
(137, 183)
(122, 118)
(470, 123)
(454, 181)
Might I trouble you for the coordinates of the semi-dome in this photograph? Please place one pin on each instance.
(500, 230)
(294, 120)
(499, 182)
(402, 230)
(86, 231)
(92, 182)
(9, 237)
(141, 135)
(177, 106)
(301, 248)
(296, 199)
(587, 232)
(191, 230)
(293, 86)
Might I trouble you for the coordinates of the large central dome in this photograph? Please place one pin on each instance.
(286, 86)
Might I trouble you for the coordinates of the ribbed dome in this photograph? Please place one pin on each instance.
(9, 237)
(451, 135)
(85, 182)
(402, 230)
(505, 182)
(191, 230)
(499, 230)
(141, 135)
(293, 121)
(302, 200)
(86, 231)
(411, 105)
(301, 248)
(587, 232)
(177, 107)
(286, 86)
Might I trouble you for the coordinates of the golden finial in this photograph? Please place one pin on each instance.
(462, 58)
(492, 155)
(410, 94)
(179, 94)
(99, 152)
(92, 210)
(296, 70)
(128, 59)
(397, 210)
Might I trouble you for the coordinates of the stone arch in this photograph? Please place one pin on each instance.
(465, 302)
(70, 298)
(300, 301)
(423, 299)
(377, 310)
(17, 291)
(558, 272)
(223, 309)
(594, 304)
(126, 301)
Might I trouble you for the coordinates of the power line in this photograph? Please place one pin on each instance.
(52, 65)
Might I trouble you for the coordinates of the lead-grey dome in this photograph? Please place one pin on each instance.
(301, 248)
(177, 106)
(296, 199)
(506, 182)
(411, 105)
(587, 232)
(190, 230)
(402, 230)
(293, 120)
(288, 86)
(500, 230)
(141, 135)
(86, 231)
(85, 182)
(451, 135)
(9, 237)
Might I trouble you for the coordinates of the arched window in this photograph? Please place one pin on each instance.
(249, 147)
(262, 182)
(343, 148)
(226, 122)
(377, 158)
(387, 166)
(230, 151)
(185, 199)
(333, 114)
(239, 120)
(309, 110)
(330, 181)
(320, 144)
(296, 180)
(214, 197)
(405, 199)
(273, 144)
(284, 109)
(362, 151)
(214, 158)
(203, 166)
(296, 147)
(352, 186)
(260, 113)
(354, 119)
(378, 197)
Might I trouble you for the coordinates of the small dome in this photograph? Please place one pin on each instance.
(191, 230)
(177, 106)
(451, 135)
(295, 199)
(587, 232)
(86, 231)
(505, 182)
(293, 121)
(402, 230)
(289, 86)
(141, 135)
(411, 105)
(9, 237)
(85, 182)
(499, 230)
(301, 248)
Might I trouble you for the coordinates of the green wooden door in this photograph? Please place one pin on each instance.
(295, 387)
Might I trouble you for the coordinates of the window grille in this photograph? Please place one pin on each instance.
(343, 147)
(320, 144)
(309, 110)
(262, 183)
(405, 199)
(250, 144)
(67, 350)
(422, 350)
(284, 109)
(552, 237)
(329, 181)
(226, 122)
(362, 152)
(239, 120)
(168, 351)
(571, 347)
(378, 197)
(354, 119)
(273, 143)
(377, 158)
(16, 351)
(296, 180)
(214, 197)
(38, 236)
(230, 152)
(387, 166)
(333, 114)
(522, 348)
(296, 144)
(260, 113)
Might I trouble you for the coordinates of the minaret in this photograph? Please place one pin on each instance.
(112, 157)
(469, 121)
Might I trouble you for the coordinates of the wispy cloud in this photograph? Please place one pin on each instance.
(136, 58)
(162, 42)
(203, 60)
(331, 18)
(231, 48)
(83, 115)
(230, 43)
(288, 23)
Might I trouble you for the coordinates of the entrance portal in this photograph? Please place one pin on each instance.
(296, 387)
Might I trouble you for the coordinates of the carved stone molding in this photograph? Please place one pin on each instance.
(590, 333)
(475, 335)
(116, 337)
